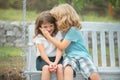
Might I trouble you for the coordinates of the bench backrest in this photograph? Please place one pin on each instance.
(102, 41)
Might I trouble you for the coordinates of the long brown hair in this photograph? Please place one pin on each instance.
(45, 17)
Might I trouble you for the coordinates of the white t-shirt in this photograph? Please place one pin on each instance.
(50, 49)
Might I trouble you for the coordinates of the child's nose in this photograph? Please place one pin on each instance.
(48, 29)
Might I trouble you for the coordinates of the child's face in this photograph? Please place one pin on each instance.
(48, 26)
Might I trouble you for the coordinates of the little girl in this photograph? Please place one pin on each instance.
(49, 57)
(77, 58)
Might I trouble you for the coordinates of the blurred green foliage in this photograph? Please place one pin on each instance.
(33, 7)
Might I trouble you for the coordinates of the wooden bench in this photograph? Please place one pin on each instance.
(103, 42)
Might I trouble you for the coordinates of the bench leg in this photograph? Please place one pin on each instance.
(29, 77)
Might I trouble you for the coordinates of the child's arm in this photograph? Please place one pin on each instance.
(61, 45)
(53, 66)
(42, 53)
(58, 56)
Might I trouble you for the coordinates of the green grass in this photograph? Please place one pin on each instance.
(96, 18)
(10, 57)
(8, 52)
(16, 15)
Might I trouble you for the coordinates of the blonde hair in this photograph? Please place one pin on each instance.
(66, 16)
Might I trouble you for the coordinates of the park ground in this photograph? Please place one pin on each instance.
(11, 64)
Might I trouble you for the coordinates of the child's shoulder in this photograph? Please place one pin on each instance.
(59, 35)
(39, 36)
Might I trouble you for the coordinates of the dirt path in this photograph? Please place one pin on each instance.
(11, 69)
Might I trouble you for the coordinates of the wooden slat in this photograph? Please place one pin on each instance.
(85, 36)
(32, 50)
(103, 48)
(118, 37)
(29, 58)
(100, 26)
(111, 46)
(94, 48)
(30, 33)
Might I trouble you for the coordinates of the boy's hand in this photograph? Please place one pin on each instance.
(45, 32)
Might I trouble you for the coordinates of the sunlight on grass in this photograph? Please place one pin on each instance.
(96, 18)
(6, 52)
(9, 64)
(10, 57)
(31, 15)
(16, 15)
(10, 14)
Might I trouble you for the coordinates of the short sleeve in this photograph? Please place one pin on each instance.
(72, 34)
(38, 39)
(59, 36)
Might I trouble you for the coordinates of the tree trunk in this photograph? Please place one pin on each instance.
(111, 9)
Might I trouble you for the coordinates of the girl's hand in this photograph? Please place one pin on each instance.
(53, 67)
(45, 32)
